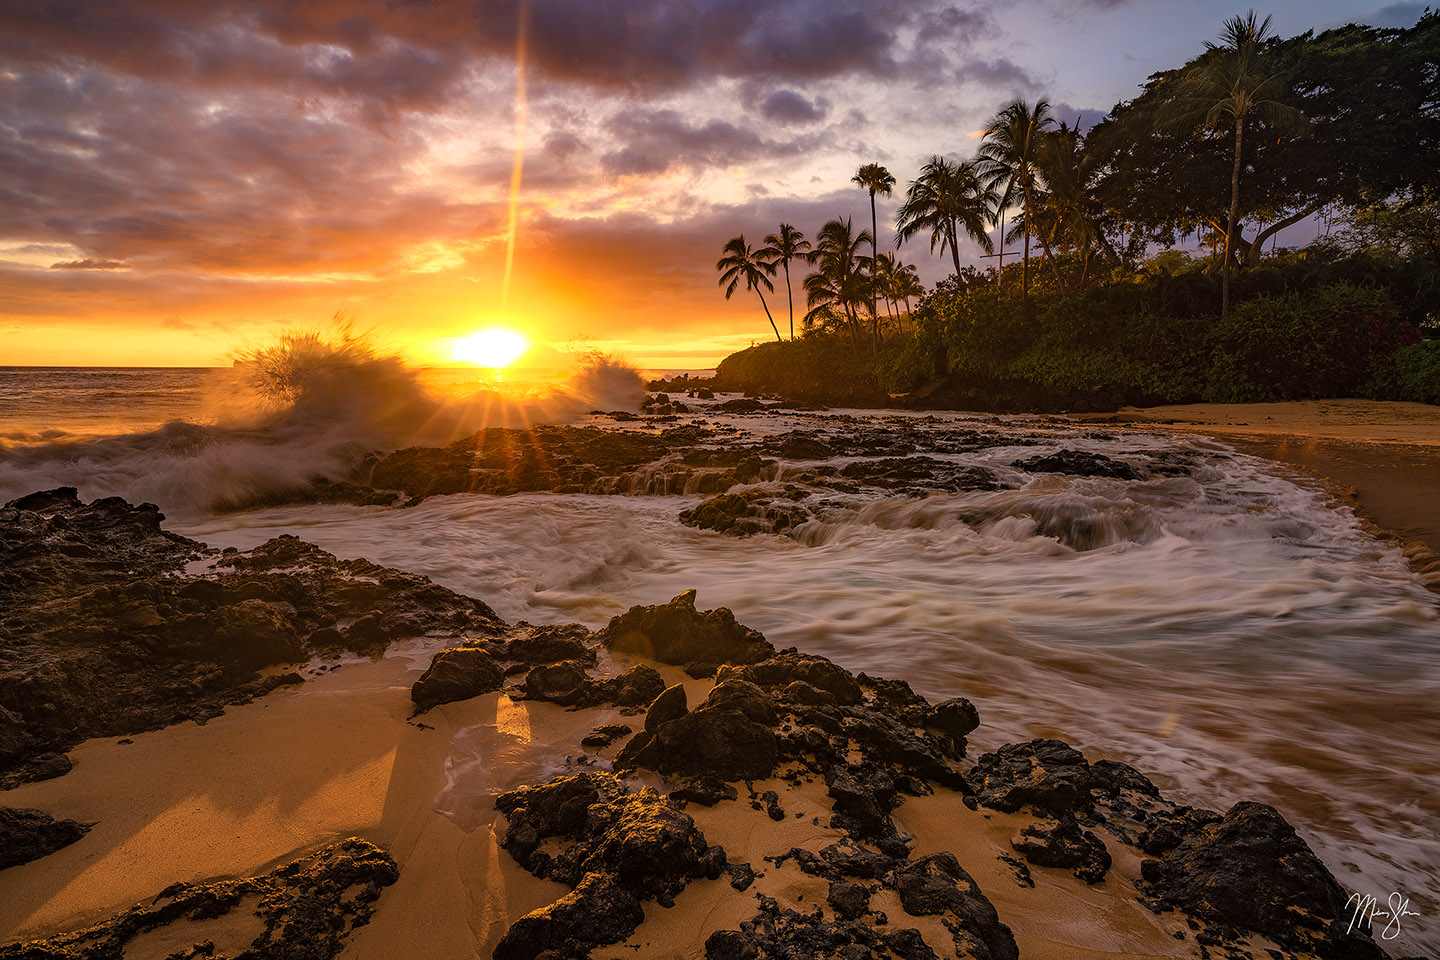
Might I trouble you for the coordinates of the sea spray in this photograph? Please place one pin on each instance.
(308, 406)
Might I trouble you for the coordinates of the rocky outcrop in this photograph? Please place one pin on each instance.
(677, 633)
(110, 625)
(27, 835)
(307, 909)
(1064, 843)
(1250, 871)
(1079, 463)
(568, 684)
(623, 849)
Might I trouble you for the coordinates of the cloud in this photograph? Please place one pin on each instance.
(787, 106)
(87, 264)
(1082, 117)
(654, 141)
(1396, 15)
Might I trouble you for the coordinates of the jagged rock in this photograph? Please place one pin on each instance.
(779, 671)
(1062, 843)
(741, 875)
(677, 633)
(308, 910)
(27, 835)
(1080, 463)
(954, 720)
(456, 674)
(566, 683)
(729, 736)
(551, 644)
(937, 884)
(748, 513)
(848, 899)
(670, 705)
(625, 848)
(108, 632)
(1049, 775)
(1251, 870)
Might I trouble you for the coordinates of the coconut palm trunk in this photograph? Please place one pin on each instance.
(791, 298)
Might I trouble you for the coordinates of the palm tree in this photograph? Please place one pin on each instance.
(907, 284)
(876, 179)
(1069, 214)
(1009, 152)
(839, 286)
(943, 199)
(1226, 86)
(789, 244)
(742, 263)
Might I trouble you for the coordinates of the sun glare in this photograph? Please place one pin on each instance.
(490, 348)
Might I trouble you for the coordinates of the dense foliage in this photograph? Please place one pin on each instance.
(1098, 306)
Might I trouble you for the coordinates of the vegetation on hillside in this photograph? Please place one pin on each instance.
(1143, 272)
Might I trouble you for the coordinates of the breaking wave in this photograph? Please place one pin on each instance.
(309, 405)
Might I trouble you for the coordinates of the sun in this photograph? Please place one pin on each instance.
(490, 348)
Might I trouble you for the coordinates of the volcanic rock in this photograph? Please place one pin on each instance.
(307, 909)
(677, 633)
(1062, 843)
(456, 674)
(1252, 871)
(1080, 463)
(624, 848)
(27, 835)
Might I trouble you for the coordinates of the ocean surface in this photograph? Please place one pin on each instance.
(1235, 633)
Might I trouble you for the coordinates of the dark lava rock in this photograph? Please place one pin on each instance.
(1062, 843)
(27, 835)
(550, 644)
(730, 736)
(848, 899)
(1048, 775)
(605, 734)
(750, 512)
(670, 705)
(1079, 463)
(1252, 871)
(624, 848)
(779, 671)
(677, 633)
(937, 884)
(104, 633)
(741, 875)
(954, 719)
(568, 684)
(307, 910)
(456, 674)
(741, 405)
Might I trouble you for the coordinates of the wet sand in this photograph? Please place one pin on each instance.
(1383, 457)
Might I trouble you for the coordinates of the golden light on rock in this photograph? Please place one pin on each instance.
(490, 348)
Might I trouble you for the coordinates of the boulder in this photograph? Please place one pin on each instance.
(456, 674)
(1049, 775)
(1063, 843)
(677, 633)
(1251, 870)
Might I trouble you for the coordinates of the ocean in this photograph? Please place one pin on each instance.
(1231, 630)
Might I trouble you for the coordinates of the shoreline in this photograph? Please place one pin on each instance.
(1380, 457)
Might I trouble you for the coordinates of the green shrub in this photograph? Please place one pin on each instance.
(1410, 373)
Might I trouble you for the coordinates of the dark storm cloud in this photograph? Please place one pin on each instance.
(653, 141)
(787, 106)
(406, 54)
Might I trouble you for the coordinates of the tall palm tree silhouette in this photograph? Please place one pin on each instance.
(789, 244)
(742, 264)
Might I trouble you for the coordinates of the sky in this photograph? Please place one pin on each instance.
(180, 180)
